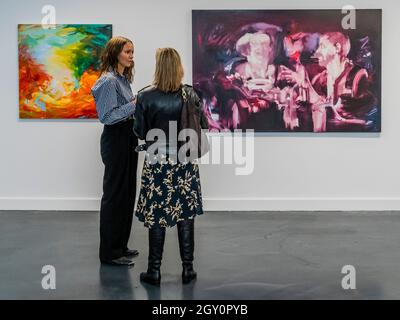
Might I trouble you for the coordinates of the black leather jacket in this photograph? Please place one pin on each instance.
(155, 109)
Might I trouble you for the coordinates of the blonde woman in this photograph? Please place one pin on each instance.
(170, 190)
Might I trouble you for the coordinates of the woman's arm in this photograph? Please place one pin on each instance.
(139, 124)
(108, 110)
(193, 96)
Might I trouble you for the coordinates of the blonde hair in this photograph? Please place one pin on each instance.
(169, 70)
(109, 57)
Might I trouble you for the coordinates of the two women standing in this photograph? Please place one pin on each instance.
(170, 191)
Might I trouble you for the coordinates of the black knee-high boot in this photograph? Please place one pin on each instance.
(186, 248)
(156, 247)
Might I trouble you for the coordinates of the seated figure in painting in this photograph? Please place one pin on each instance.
(339, 95)
(242, 92)
(258, 72)
(252, 82)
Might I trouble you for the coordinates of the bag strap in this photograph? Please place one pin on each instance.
(184, 94)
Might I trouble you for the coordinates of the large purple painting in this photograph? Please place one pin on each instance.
(288, 70)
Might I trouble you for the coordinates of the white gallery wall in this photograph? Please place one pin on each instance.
(56, 164)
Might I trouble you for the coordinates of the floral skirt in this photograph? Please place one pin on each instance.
(169, 192)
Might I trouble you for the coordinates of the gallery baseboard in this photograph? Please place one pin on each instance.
(220, 204)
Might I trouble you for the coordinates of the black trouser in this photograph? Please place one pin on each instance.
(118, 143)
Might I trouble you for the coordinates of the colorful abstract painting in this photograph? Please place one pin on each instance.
(288, 70)
(57, 68)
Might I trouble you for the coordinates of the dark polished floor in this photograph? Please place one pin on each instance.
(247, 255)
